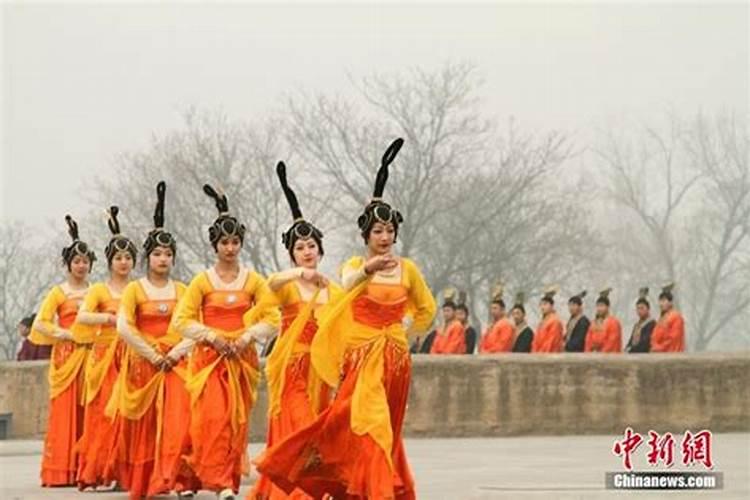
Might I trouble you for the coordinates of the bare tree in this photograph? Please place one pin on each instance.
(26, 273)
(687, 195)
(436, 113)
(649, 177)
(238, 158)
(479, 204)
(720, 260)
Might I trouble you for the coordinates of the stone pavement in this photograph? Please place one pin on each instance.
(567, 467)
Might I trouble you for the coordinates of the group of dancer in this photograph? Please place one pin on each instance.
(152, 382)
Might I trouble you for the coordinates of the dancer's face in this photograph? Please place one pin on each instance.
(381, 238)
(80, 266)
(228, 249)
(306, 253)
(160, 261)
(122, 264)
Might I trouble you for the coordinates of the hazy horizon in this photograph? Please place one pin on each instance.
(82, 84)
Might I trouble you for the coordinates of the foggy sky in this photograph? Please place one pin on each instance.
(82, 83)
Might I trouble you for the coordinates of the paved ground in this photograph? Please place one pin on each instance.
(474, 469)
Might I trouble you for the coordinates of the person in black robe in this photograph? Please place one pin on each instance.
(578, 324)
(462, 314)
(640, 338)
(524, 333)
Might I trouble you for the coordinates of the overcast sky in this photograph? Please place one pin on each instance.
(82, 83)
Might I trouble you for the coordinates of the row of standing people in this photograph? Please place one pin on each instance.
(512, 334)
(152, 382)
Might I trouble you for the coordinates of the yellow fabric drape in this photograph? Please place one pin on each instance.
(96, 370)
(287, 346)
(338, 332)
(61, 377)
(134, 403)
(328, 345)
(370, 412)
(239, 371)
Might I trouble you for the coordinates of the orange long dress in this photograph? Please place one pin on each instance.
(66, 379)
(669, 333)
(99, 438)
(223, 389)
(604, 336)
(453, 341)
(354, 450)
(295, 401)
(549, 335)
(151, 407)
(499, 338)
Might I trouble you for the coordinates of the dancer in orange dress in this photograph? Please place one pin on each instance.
(149, 402)
(296, 393)
(605, 332)
(96, 320)
(67, 363)
(549, 335)
(354, 450)
(225, 310)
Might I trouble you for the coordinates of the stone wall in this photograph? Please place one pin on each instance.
(514, 394)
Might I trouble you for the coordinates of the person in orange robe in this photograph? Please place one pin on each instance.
(451, 337)
(500, 336)
(225, 310)
(605, 332)
(97, 318)
(67, 363)
(549, 334)
(149, 403)
(668, 334)
(296, 393)
(354, 449)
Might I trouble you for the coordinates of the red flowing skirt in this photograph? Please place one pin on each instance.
(98, 440)
(219, 455)
(327, 457)
(133, 463)
(296, 413)
(64, 426)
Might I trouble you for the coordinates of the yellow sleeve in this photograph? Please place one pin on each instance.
(126, 323)
(128, 304)
(183, 346)
(279, 280)
(422, 302)
(187, 316)
(353, 272)
(84, 328)
(263, 319)
(285, 295)
(45, 330)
